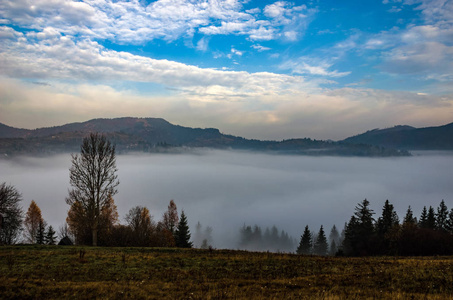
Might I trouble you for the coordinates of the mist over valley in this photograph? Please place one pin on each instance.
(227, 189)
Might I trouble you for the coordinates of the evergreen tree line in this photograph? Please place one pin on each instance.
(272, 239)
(363, 235)
(317, 244)
(203, 237)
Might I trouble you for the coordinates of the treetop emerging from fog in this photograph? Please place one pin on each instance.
(93, 178)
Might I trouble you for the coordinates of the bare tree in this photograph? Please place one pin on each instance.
(10, 214)
(65, 232)
(142, 226)
(166, 228)
(170, 218)
(93, 178)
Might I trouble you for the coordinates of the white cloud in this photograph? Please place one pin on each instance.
(421, 57)
(9, 33)
(236, 52)
(423, 50)
(260, 48)
(394, 9)
(134, 22)
(63, 58)
(311, 66)
(202, 44)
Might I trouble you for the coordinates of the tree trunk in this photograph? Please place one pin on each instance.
(95, 236)
(95, 225)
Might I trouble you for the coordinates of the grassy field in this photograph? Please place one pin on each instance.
(56, 272)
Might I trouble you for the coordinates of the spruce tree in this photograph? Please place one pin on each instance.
(423, 223)
(333, 248)
(450, 222)
(305, 245)
(364, 216)
(198, 238)
(320, 247)
(41, 233)
(334, 235)
(442, 217)
(182, 234)
(50, 238)
(431, 219)
(385, 229)
(409, 218)
(359, 231)
(388, 220)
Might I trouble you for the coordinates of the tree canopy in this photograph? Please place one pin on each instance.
(94, 180)
(10, 214)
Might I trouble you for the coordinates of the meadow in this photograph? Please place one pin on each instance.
(70, 272)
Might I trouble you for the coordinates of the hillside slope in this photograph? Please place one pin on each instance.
(157, 135)
(407, 137)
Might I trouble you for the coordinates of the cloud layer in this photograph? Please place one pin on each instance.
(134, 22)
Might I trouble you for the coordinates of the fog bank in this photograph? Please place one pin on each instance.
(225, 189)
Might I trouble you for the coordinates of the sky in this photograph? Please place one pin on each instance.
(259, 69)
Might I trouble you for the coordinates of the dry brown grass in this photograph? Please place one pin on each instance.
(52, 272)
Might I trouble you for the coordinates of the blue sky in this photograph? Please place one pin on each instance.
(259, 69)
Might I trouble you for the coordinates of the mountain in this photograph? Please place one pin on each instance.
(158, 135)
(408, 138)
(7, 131)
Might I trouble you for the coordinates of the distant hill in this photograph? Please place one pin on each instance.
(407, 137)
(158, 135)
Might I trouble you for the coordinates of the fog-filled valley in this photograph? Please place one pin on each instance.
(227, 189)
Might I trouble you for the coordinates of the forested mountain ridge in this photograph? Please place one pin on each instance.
(157, 135)
(407, 137)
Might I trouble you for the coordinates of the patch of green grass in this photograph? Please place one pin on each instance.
(53, 272)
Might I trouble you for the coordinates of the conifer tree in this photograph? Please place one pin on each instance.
(320, 247)
(409, 218)
(333, 248)
(450, 222)
(305, 245)
(334, 235)
(50, 238)
(387, 228)
(198, 238)
(182, 234)
(442, 217)
(41, 234)
(431, 219)
(423, 223)
(246, 236)
(388, 220)
(364, 216)
(359, 231)
(208, 235)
